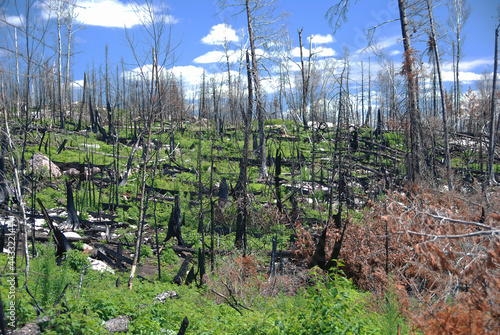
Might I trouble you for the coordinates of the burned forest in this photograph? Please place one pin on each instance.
(335, 202)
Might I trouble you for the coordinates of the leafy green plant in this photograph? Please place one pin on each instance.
(76, 259)
(51, 278)
(146, 251)
(169, 257)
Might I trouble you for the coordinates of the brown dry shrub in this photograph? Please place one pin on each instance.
(246, 277)
(451, 285)
(304, 246)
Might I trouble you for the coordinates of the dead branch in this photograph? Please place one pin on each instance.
(478, 233)
(443, 218)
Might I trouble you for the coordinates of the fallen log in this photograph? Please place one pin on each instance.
(114, 254)
(179, 249)
(179, 278)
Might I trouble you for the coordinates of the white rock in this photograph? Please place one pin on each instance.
(40, 223)
(87, 248)
(40, 163)
(100, 266)
(72, 235)
(93, 146)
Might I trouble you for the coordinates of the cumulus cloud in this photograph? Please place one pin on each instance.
(115, 14)
(191, 75)
(219, 34)
(217, 57)
(465, 76)
(385, 42)
(469, 65)
(319, 52)
(12, 20)
(321, 39)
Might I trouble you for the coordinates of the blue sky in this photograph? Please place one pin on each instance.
(198, 27)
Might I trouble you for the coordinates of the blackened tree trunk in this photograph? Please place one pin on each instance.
(491, 166)
(82, 106)
(277, 180)
(441, 90)
(306, 75)
(241, 188)
(258, 97)
(413, 165)
(174, 225)
(72, 221)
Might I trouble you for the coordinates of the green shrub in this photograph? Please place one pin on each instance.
(76, 260)
(51, 278)
(169, 257)
(146, 251)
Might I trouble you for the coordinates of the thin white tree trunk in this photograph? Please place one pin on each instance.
(441, 90)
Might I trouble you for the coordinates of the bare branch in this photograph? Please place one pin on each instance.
(479, 233)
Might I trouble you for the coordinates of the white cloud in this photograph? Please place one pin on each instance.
(384, 43)
(115, 14)
(209, 57)
(321, 39)
(388, 42)
(191, 75)
(12, 20)
(219, 34)
(77, 83)
(217, 57)
(319, 52)
(465, 76)
(469, 65)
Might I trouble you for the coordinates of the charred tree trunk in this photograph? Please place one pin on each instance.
(258, 97)
(491, 166)
(72, 221)
(241, 187)
(82, 106)
(413, 165)
(174, 225)
(441, 90)
(179, 278)
(277, 181)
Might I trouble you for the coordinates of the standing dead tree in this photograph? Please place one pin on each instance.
(414, 160)
(437, 58)
(265, 28)
(159, 53)
(241, 187)
(459, 12)
(491, 166)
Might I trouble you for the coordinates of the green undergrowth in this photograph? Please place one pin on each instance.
(329, 305)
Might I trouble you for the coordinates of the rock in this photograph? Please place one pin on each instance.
(117, 325)
(166, 295)
(43, 319)
(72, 172)
(72, 236)
(90, 146)
(41, 164)
(100, 266)
(40, 224)
(90, 172)
(87, 249)
(28, 329)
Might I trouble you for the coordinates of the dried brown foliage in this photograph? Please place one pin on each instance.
(443, 261)
(239, 280)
